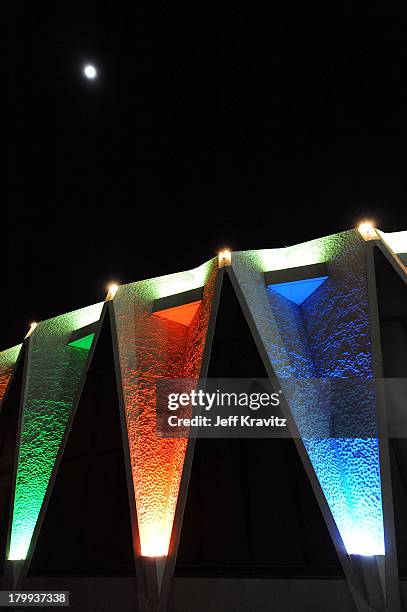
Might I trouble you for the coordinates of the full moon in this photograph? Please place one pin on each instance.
(90, 71)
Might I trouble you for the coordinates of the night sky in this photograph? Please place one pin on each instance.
(205, 128)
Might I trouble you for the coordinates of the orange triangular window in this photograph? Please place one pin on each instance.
(180, 314)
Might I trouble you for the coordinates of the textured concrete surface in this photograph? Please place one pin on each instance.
(327, 337)
(8, 359)
(53, 373)
(152, 348)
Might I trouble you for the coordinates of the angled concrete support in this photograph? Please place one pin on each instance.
(284, 331)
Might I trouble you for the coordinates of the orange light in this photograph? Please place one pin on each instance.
(111, 291)
(224, 258)
(180, 314)
(157, 462)
(4, 380)
(170, 351)
(368, 231)
(33, 325)
(154, 539)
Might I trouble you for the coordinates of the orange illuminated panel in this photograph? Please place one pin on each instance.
(4, 380)
(165, 346)
(180, 314)
(8, 359)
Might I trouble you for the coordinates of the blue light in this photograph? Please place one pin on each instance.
(298, 291)
(349, 474)
(328, 337)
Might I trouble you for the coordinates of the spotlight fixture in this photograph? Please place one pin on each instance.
(33, 325)
(368, 231)
(224, 258)
(111, 291)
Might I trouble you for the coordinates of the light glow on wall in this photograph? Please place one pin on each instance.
(349, 474)
(8, 359)
(303, 254)
(152, 348)
(357, 542)
(319, 339)
(54, 369)
(397, 241)
(179, 282)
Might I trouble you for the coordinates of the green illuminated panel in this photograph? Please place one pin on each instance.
(54, 369)
(8, 357)
(83, 343)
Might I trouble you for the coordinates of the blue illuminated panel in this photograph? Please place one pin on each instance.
(324, 335)
(349, 474)
(298, 291)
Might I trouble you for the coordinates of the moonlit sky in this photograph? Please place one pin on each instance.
(240, 131)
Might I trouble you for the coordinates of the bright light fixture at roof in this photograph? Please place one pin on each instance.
(90, 71)
(224, 258)
(111, 291)
(368, 231)
(33, 325)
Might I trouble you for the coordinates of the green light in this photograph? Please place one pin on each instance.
(9, 356)
(163, 286)
(52, 378)
(304, 254)
(83, 343)
(8, 359)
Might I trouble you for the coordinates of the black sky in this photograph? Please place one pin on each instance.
(205, 128)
